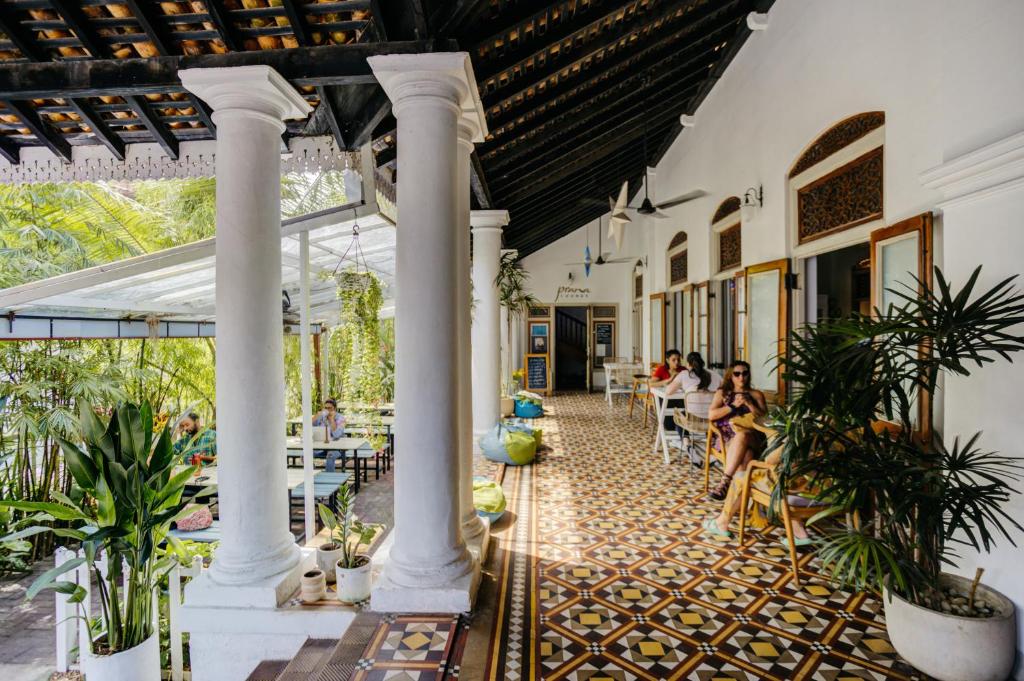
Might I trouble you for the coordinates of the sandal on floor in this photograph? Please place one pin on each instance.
(798, 541)
(719, 491)
(712, 527)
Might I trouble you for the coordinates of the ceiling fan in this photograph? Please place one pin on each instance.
(602, 257)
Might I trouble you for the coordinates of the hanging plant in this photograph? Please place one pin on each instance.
(361, 297)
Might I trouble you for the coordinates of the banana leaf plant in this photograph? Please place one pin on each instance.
(919, 498)
(131, 495)
(513, 295)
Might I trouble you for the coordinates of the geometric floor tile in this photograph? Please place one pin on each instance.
(607, 574)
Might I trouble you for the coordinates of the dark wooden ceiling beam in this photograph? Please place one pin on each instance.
(297, 21)
(589, 119)
(386, 156)
(163, 136)
(588, 183)
(369, 116)
(668, 13)
(478, 183)
(76, 20)
(49, 137)
(450, 20)
(326, 65)
(100, 130)
(328, 109)
(597, 147)
(582, 21)
(152, 25)
(660, 58)
(23, 39)
(222, 24)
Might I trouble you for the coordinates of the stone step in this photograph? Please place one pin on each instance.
(343, 659)
(268, 670)
(309, 661)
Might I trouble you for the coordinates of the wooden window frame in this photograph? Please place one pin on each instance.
(782, 265)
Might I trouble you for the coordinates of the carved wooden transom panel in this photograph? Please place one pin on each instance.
(677, 268)
(727, 207)
(678, 240)
(838, 136)
(729, 248)
(848, 196)
(638, 286)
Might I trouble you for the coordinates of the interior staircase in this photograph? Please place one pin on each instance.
(321, 659)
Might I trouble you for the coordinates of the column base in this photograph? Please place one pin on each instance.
(456, 596)
(232, 629)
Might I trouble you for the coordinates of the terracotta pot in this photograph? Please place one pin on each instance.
(313, 586)
(141, 663)
(353, 583)
(326, 556)
(952, 648)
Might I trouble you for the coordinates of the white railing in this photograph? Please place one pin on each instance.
(72, 626)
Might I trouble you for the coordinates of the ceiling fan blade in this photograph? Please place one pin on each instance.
(696, 194)
(617, 261)
(658, 215)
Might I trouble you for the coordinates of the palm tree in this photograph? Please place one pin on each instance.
(512, 284)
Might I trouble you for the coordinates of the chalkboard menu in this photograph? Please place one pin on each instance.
(537, 373)
(604, 342)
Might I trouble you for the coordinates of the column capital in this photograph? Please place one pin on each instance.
(255, 88)
(408, 75)
(480, 220)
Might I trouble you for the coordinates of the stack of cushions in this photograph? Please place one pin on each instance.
(511, 447)
(529, 405)
(488, 499)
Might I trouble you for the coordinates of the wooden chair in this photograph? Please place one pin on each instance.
(695, 422)
(641, 393)
(710, 451)
(794, 505)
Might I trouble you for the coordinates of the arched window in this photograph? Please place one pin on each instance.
(727, 240)
(677, 260)
(836, 183)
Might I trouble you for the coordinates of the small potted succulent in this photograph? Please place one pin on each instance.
(351, 568)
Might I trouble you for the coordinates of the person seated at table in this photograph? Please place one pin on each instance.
(736, 398)
(663, 375)
(694, 377)
(330, 425)
(195, 441)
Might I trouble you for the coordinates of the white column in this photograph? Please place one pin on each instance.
(249, 106)
(472, 527)
(428, 567)
(305, 369)
(486, 225)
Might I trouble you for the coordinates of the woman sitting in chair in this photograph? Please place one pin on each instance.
(736, 398)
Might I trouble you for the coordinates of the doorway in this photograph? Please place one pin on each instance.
(571, 348)
(838, 284)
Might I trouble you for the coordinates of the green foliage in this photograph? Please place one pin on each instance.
(131, 498)
(356, 343)
(514, 296)
(921, 499)
(346, 530)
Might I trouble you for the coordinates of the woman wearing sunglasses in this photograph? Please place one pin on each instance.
(736, 398)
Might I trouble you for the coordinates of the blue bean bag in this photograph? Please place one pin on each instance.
(511, 447)
(528, 405)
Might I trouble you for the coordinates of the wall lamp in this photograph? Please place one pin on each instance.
(753, 199)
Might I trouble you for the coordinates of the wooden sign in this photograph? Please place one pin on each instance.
(538, 374)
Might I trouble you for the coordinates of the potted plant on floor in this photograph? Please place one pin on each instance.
(917, 498)
(131, 497)
(352, 568)
(513, 295)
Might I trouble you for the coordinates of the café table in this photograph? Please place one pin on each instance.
(612, 368)
(345, 445)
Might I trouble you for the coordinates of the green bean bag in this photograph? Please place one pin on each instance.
(511, 447)
(488, 499)
(515, 424)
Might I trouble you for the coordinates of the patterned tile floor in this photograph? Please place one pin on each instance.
(605, 574)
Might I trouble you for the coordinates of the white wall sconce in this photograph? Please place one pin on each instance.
(753, 199)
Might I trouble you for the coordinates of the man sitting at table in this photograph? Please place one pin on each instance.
(663, 375)
(328, 425)
(194, 441)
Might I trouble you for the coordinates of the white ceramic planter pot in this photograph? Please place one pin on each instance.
(353, 583)
(326, 558)
(508, 406)
(141, 663)
(313, 586)
(952, 648)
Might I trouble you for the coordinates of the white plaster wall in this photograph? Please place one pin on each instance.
(947, 75)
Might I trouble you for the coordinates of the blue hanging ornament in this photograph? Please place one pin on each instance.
(586, 260)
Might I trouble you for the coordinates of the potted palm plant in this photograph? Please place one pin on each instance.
(352, 568)
(131, 497)
(917, 498)
(513, 295)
